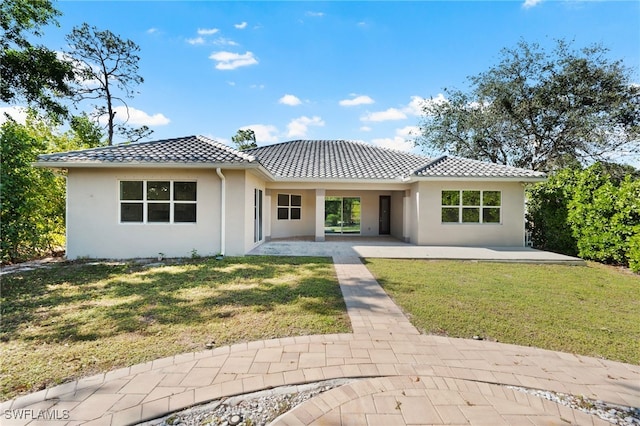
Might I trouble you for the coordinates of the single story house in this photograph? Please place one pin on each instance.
(195, 195)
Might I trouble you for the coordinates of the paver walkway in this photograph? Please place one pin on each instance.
(408, 378)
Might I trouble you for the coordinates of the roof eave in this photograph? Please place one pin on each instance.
(528, 179)
(338, 180)
(141, 164)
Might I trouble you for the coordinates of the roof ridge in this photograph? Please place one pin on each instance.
(429, 164)
(350, 141)
(228, 148)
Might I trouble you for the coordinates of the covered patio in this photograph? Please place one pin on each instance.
(389, 247)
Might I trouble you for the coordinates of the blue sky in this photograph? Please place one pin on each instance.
(327, 70)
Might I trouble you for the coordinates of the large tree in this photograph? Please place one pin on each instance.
(107, 72)
(540, 109)
(31, 73)
(245, 139)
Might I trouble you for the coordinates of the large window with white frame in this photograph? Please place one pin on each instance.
(158, 201)
(471, 206)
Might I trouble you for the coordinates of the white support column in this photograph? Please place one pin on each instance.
(406, 216)
(266, 214)
(320, 214)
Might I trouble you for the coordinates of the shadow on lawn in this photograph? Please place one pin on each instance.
(89, 301)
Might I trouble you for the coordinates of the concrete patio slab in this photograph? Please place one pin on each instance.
(391, 248)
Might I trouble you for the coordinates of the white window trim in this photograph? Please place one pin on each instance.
(145, 202)
(460, 206)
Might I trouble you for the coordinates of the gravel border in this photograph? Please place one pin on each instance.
(252, 409)
(262, 408)
(612, 413)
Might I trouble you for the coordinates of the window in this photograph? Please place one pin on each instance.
(157, 201)
(471, 206)
(289, 207)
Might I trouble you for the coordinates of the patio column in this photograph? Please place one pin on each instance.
(320, 214)
(266, 211)
(406, 216)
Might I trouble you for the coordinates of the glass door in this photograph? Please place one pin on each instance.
(342, 215)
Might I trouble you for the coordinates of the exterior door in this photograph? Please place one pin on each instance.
(385, 215)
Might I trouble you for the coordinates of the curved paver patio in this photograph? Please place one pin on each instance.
(410, 378)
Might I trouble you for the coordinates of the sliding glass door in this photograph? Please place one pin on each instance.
(341, 215)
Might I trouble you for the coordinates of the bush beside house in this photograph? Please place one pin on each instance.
(593, 213)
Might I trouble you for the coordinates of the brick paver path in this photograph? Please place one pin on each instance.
(407, 378)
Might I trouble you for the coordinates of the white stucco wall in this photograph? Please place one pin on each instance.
(294, 228)
(252, 183)
(93, 228)
(431, 230)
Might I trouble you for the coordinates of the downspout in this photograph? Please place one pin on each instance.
(223, 211)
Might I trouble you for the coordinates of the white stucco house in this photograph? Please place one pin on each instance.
(177, 196)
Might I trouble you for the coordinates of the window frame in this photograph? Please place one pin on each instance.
(172, 202)
(481, 206)
(289, 207)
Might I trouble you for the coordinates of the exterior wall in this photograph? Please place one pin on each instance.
(431, 230)
(94, 230)
(251, 184)
(414, 213)
(294, 228)
(397, 209)
(236, 212)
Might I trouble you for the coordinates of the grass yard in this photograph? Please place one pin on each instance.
(593, 310)
(78, 319)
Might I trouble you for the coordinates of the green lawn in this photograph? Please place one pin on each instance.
(78, 319)
(592, 310)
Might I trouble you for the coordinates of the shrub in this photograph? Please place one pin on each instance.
(589, 213)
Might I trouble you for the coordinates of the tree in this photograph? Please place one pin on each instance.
(539, 109)
(30, 73)
(33, 199)
(245, 139)
(106, 70)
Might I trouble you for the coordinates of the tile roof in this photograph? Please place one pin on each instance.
(188, 150)
(463, 167)
(335, 159)
(296, 160)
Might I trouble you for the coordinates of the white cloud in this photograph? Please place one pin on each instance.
(298, 127)
(408, 131)
(140, 118)
(231, 61)
(257, 86)
(265, 133)
(152, 30)
(197, 40)
(315, 14)
(357, 100)
(224, 42)
(398, 143)
(418, 104)
(241, 26)
(389, 114)
(207, 31)
(290, 100)
(19, 114)
(365, 128)
(530, 3)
